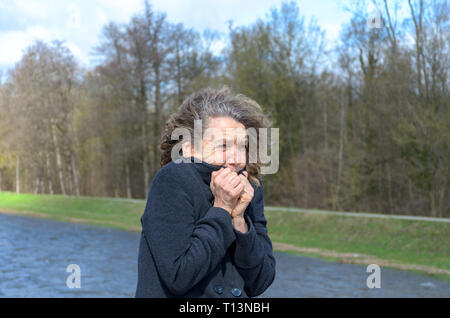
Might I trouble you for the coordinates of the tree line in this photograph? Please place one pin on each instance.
(364, 124)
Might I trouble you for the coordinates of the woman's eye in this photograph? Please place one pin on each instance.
(224, 147)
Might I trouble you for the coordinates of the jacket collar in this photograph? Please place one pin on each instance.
(205, 169)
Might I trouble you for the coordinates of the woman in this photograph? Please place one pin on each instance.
(203, 229)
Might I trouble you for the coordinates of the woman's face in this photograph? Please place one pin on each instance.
(223, 144)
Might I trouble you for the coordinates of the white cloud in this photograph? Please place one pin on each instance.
(17, 41)
(41, 33)
(102, 17)
(119, 10)
(33, 8)
(218, 46)
(200, 14)
(80, 54)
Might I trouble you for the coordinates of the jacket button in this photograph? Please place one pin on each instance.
(236, 292)
(218, 289)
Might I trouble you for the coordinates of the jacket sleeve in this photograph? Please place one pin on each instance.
(253, 254)
(185, 250)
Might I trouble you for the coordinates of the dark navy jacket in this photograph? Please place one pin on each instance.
(188, 248)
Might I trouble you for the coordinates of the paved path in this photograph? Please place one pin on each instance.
(357, 214)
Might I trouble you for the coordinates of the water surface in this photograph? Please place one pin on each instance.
(34, 255)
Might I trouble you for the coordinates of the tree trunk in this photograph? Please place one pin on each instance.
(178, 61)
(391, 204)
(58, 160)
(36, 186)
(306, 186)
(127, 180)
(325, 125)
(341, 147)
(42, 186)
(442, 192)
(73, 162)
(156, 123)
(49, 175)
(75, 176)
(417, 19)
(17, 174)
(145, 158)
(39, 175)
(143, 114)
(433, 204)
(69, 180)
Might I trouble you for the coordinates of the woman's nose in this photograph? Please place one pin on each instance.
(235, 158)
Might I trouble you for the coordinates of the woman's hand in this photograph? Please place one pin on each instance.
(226, 186)
(245, 198)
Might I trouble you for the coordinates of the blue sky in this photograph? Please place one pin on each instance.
(79, 23)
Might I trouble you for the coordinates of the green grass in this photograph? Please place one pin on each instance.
(118, 213)
(402, 241)
(399, 241)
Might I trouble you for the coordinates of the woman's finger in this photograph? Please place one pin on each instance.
(234, 182)
(214, 174)
(245, 181)
(229, 177)
(238, 190)
(223, 174)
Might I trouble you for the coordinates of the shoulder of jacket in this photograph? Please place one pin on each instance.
(175, 172)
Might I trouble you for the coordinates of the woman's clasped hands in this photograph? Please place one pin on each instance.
(232, 192)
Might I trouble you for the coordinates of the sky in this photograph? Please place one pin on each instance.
(79, 23)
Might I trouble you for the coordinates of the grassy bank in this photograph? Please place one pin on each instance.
(415, 245)
(117, 213)
(388, 242)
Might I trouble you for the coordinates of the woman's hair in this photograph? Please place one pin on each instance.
(209, 103)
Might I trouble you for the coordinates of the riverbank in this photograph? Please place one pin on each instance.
(404, 244)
